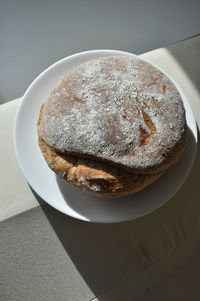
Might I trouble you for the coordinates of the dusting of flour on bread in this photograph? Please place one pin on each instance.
(117, 109)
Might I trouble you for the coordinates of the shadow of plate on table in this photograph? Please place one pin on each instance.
(101, 209)
(106, 254)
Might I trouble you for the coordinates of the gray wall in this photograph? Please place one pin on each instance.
(34, 34)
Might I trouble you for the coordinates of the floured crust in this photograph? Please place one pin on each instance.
(119, 110)
(113, 126)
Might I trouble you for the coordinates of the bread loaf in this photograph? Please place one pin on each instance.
(112, 126)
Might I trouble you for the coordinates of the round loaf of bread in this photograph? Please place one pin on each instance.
(112, 126)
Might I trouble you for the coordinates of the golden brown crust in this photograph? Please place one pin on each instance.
(95, 177)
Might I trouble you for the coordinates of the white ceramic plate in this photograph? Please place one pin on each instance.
(64, 197)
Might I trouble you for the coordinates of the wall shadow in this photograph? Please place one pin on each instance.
(106, 254)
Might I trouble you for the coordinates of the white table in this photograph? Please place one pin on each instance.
(46, 255)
